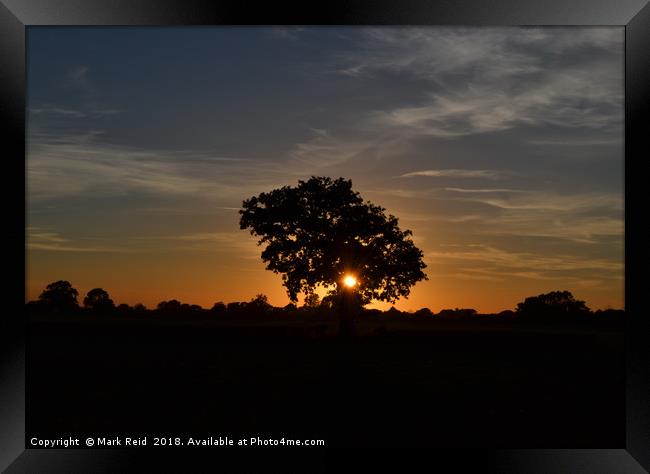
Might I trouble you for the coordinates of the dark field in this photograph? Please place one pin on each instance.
(440, 384)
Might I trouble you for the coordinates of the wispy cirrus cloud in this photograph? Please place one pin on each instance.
(506, 78)
(48, 240)
(287, 33)
(542, 200)
(504, 258)
(484, 190)
(60, 166)
(78, 77)
(87, 112)
(235, 243)
(57, 111)
(230, 238)
(484, 262)
(577, 218)
(474, 81)
(456, 173)
(581, 229)
(571, 142)
(324, 150)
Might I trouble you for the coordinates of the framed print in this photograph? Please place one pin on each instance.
(357, 226)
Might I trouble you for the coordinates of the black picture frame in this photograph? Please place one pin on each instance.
(634, 15)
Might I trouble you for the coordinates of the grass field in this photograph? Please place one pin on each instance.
(444, 384)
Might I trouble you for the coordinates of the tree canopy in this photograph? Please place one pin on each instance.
(98, 300)
(321, 230)
(60, 295)
(553, 305)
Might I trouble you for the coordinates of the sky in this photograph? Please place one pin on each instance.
(500, 148)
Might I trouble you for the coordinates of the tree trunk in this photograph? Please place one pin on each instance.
(347, 310)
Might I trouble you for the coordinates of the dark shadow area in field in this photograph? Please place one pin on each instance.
(451, 383)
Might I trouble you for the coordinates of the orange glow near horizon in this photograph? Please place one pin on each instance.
(195, 277)
(436, 295)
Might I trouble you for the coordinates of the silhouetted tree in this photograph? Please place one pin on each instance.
(321, 230)
(553, 306)
(98, 301)
(60, 296)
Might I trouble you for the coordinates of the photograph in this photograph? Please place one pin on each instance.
(325, 236)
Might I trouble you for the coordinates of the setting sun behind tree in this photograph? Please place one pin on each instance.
(350, 281)
(315, 232)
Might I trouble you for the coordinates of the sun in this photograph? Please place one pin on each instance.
(350, 281)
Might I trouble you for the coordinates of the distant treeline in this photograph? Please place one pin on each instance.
(60, 298)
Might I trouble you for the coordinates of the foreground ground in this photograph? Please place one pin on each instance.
(408, 384)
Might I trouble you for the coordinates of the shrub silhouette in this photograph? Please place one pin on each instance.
(423, 313)
(290, 309)
(393, 313)
(457, 313)
(372, 313)
(609, 316)
(609, 313)
(169, 307)
(506, 315)
(124, 310)
(259, 304)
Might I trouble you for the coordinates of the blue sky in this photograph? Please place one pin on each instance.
(501, 148)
